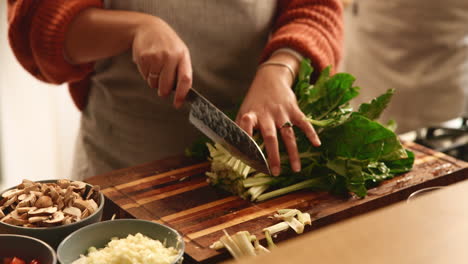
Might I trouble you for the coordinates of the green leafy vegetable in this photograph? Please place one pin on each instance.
(376, 106)
(356, 154)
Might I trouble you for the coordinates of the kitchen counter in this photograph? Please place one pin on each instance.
(432, 229)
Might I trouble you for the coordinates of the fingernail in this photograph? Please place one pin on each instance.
(275, 171)
(318, 142)
(296, 166)
(159, 92)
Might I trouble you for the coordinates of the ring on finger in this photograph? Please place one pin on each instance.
(153, 75)
(287, 124)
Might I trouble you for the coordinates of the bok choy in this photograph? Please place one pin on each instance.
(356, 154)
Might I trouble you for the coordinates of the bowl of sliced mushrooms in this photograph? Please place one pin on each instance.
(49, 210)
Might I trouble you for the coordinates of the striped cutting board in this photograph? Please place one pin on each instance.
(174, 192)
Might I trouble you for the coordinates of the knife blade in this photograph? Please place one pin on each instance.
(221, 129)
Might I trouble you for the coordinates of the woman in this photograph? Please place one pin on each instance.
(111, 52)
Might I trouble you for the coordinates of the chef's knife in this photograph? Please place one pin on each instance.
(221, 129)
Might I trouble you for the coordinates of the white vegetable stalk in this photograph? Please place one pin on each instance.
(235, 176)
(279, 227)
(240, 244)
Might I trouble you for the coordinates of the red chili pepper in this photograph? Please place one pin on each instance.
(16, 260)
(34, 261)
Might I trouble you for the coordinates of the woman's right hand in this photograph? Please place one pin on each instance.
(162, 58)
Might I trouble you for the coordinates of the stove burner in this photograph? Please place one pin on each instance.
(450, 140)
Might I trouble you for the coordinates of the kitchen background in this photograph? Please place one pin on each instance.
(38, 122)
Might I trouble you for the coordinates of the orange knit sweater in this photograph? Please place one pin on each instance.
(37, 33)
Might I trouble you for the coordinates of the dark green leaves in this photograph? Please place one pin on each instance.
(373, 109)
(358, 151)
(362, 139)
(401, 165)
(327, 96)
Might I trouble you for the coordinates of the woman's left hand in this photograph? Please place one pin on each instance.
(271, 105)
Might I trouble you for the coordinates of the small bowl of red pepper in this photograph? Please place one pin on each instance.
(17, 249)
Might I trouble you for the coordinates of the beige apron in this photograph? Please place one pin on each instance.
(125, 123)
(418, 47)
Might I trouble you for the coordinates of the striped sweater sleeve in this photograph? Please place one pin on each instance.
(314, 28)
(37, 34)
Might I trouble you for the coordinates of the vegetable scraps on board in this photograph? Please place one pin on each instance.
(244, 244)
(357, 152)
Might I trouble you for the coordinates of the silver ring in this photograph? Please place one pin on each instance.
(287, 124)
(153, 75)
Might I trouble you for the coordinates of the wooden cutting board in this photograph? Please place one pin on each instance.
(175, 192)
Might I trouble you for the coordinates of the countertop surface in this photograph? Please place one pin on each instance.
(431, 229)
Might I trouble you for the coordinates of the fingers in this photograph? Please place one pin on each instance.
(268, 130)
(184, 79)
(247, 122)
(167, 71)
(300, 121)
(289, 140)
(153, 76)
(143, 67)
(168, 76)
(150, 66)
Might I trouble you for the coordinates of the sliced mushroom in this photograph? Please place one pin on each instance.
(63, 183)
(31, 188)
(60, 203)
(10, 201)
(81, 204)
(85, 214)
(57, 217)
(79, 185)
(28, 200)
(53, 193)
(22, 196)
(73, 211)
(23, 210)
(41, 211)
(67, 220)
(92, 206)
(36, 219)
(48, 204)
(43, 202)
(6, 219)
(37, 193)
(43, 188)
(16, 219)
(93, 191)
(12, 193)
(27, 183)
(17, 215)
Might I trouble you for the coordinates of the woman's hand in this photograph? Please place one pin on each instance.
(270, 105)
(161, 56)
(163, 59)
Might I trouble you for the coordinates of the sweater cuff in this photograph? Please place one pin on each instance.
(308, 41)
(290, 51)
(47, 36)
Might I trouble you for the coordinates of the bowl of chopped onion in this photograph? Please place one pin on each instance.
(123, 241)
(49, 210)
(17, 249)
